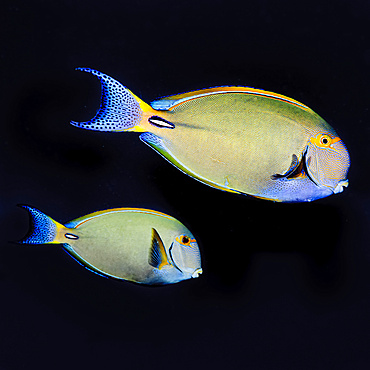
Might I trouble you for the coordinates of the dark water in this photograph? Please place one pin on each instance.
(284, 286)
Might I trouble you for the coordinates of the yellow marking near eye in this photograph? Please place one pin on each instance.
(324, 140)
(189, 240)
(335, 140)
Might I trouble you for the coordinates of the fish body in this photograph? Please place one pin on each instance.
(138, 245)
(236, 139)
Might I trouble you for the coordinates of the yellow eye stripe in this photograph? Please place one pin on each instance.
(324, 140)
(181, 238)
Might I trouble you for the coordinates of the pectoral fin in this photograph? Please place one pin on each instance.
(288, 174)
(157, 254)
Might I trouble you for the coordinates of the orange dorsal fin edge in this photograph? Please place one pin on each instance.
(170, 102)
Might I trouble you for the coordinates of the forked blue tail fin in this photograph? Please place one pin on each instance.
(120, 109)
(43, 229)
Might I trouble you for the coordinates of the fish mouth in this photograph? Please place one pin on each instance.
(196, 273)
(340, 186)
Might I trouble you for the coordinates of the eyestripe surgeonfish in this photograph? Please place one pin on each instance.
(133, 244)
(236, 139)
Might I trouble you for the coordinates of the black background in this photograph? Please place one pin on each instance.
(285, 286)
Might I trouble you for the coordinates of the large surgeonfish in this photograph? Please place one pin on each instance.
(236, 139)
(131, 244)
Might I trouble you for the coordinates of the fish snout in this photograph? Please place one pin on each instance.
(196, 273)
(340, 186)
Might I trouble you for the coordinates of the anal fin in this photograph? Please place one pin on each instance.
(158, 145)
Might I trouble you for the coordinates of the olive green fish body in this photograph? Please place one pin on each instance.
(241, 140)
(137, 245)
(235, 139)
(125, 237)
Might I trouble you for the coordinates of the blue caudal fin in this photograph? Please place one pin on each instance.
(120, 109)
(43, 229)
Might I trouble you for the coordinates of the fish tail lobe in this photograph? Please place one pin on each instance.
(43, 229)
(120, 109)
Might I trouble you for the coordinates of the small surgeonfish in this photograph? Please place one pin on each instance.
(131, 244)
(236, 139)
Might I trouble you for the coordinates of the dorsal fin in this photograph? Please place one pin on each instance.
(170, 102)
(81, 220)
(157, 254)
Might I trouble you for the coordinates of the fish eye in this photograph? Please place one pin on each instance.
(325, 140)
(185, 240)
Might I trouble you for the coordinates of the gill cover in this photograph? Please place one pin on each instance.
(185, 255)
(327, 161)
